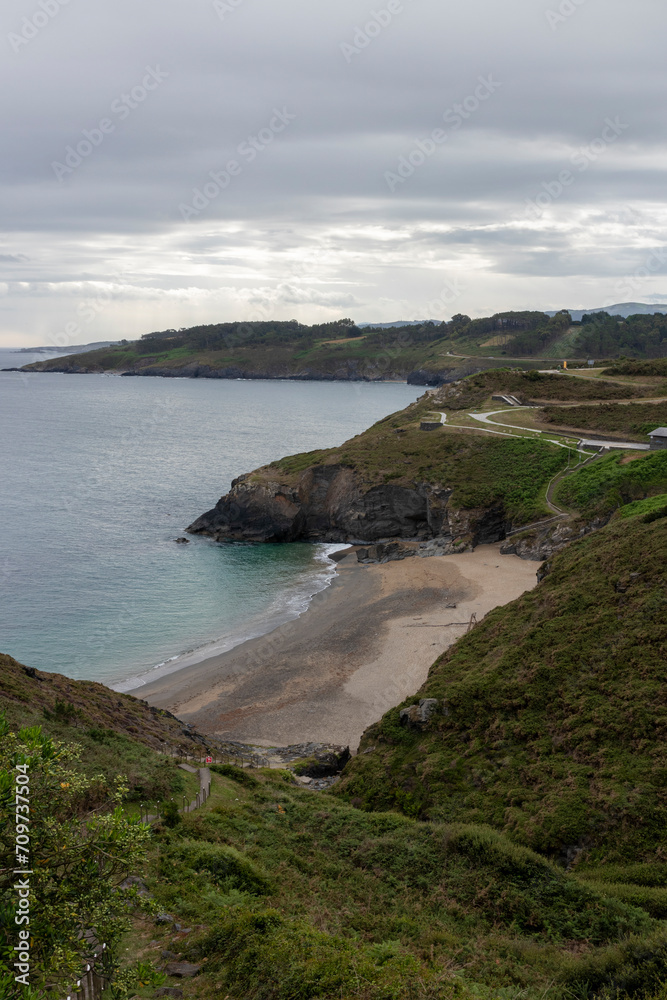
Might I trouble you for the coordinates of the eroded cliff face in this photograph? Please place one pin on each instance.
(330, 503)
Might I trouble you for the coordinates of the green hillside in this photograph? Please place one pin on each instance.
(634, 419)
(639, 336)
(429, 353)
(480, 470)
(551, 723)
(288, 894)
(613, 481)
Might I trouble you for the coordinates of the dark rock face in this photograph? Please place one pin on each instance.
(324, 763)
(539, 544)
(330, 503)
(182, 970)
(347, 373)
(460, 368)
(384, 552)
(419, 716)
(422, 377)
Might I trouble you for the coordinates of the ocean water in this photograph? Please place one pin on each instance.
(100, 474)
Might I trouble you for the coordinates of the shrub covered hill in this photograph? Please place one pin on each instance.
(428, 354)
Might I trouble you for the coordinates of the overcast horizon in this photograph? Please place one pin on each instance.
(240, 160)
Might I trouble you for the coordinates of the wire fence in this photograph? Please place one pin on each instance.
(93, 981)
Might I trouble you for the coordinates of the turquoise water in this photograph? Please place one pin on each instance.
(99, 476)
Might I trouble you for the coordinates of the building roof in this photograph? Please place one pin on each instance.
(660, 432)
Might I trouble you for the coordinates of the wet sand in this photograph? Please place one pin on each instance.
(364, 645)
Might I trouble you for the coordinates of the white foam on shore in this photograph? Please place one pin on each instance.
(286, 606)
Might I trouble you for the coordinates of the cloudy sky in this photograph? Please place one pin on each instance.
(171, 162)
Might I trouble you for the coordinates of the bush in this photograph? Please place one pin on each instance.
(222, 865)
(238, 774)
(607, 484)
(267, 957)
(632, 969)
(171, 817)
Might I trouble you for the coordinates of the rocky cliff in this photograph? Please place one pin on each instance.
(331, 503)
(349, 370)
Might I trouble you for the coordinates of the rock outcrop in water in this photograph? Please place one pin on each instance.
(331, 503)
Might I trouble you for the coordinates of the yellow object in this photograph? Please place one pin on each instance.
(565, 364)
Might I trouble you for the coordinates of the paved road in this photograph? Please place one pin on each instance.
(624, 445)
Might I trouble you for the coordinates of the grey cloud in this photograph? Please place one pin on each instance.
(313, 209)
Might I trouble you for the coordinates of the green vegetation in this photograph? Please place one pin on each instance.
(657, 367)
(520, 333)
(653, 508)
(604, 336)
(77, 859)
(634, 419)
(342, 350)
(279, 349)
(236, 774)
(513, 848)
(482, 471)
(419, 876)
(84, 712)
(552, 722)
(301, 896)
(613, 481)
(528, 387)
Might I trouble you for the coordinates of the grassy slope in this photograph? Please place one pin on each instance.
(649, 368)
(297, 896)
(528, 387)
(481, 470)
(613, 481)
(554, 725)
(118, 732)
(301, 896)
(634, 419)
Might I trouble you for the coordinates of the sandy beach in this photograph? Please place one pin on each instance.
(363, 646)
